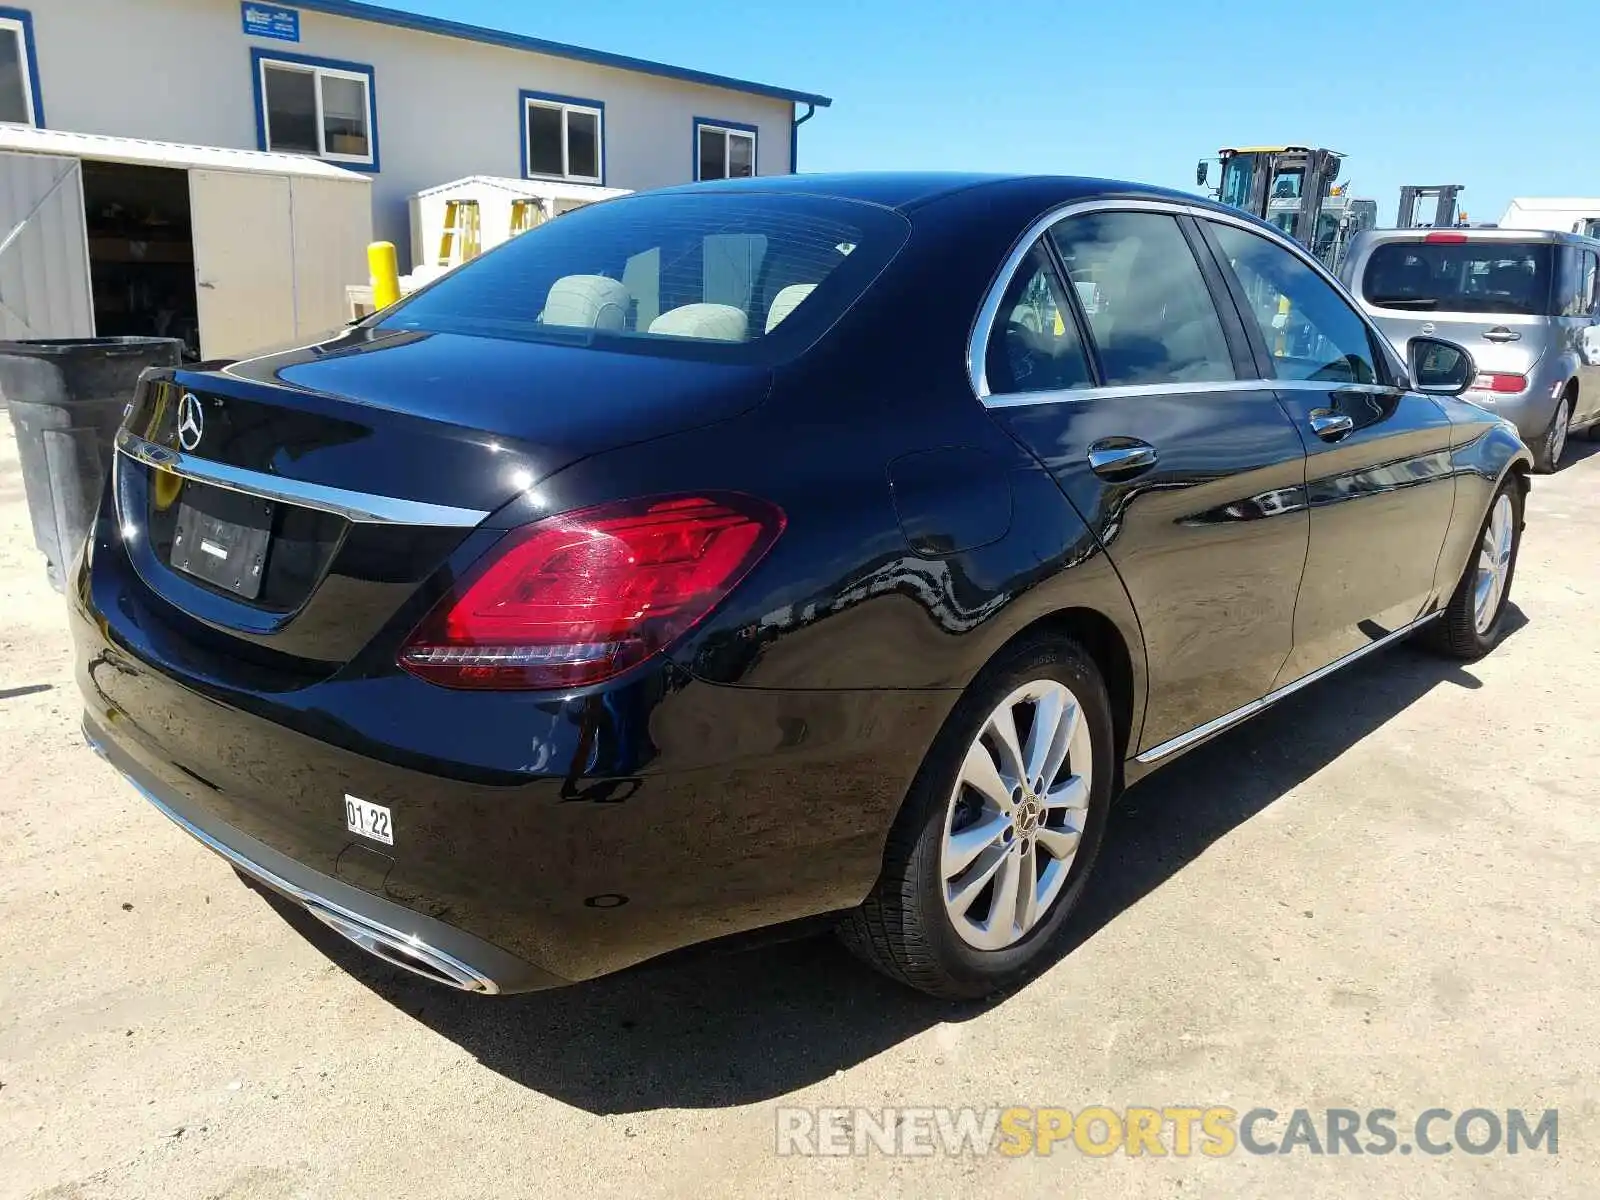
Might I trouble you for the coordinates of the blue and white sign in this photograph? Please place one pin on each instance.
(271, 21)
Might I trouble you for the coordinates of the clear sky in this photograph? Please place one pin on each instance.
(1502, 97)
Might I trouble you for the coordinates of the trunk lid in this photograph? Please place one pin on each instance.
(1511, 343)
(292, 504)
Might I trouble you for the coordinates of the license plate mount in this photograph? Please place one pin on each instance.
(223, 537)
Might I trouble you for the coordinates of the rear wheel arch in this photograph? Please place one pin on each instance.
(1105, 643)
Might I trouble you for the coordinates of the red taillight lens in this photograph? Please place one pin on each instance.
(1505, 384)
(583, 596)
(1449, 238)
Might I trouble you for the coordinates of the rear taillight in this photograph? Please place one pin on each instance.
(1505, 384)
(1447, 238)
(583, 596)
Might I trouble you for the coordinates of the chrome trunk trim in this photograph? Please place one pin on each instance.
(361, 507)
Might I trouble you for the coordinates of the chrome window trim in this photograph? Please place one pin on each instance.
(361, 507)
(983, 325)
(1333, 385)
(1119, 390)
(1200, 732)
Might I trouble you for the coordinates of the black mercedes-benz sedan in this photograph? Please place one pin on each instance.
(778, 550)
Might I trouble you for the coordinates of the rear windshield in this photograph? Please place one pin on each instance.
(1486, 277)
(728, 276)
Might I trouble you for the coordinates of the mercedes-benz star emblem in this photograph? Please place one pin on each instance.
(191, 421)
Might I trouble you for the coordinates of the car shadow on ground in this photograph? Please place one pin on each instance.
(732, 1029)
(1578, 449)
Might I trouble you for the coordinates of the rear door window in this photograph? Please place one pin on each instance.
(1576, 282)
(1034, 344)
(751, 277)
(1468, 277)
(1148, 307)
(1310, 330)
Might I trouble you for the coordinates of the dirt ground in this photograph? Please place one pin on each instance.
(1382, 894)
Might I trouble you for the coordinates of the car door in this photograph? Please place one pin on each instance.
(1378, 465)
(1109, 356)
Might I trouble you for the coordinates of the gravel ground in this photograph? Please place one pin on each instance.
(1382, 894)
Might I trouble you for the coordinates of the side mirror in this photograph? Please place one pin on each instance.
(1438, 367)
(1202, 171)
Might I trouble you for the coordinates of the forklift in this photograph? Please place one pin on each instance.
(1445, 212)
(1292, 187)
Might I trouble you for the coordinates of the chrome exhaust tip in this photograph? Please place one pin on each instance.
(408, 953)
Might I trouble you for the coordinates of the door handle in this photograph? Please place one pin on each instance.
(1122, 459)
(1501, 334)
(1329, 425)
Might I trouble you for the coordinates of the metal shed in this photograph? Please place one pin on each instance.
(234, 251)
(494, 196)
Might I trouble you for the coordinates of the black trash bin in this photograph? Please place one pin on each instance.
(66, 399)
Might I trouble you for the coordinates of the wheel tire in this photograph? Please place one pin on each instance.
(1457, 634)
(903, 927)
(1553, 442)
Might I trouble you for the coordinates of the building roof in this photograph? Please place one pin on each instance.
(543, 189)
(1554, 203)
(517, 41)
(98, 148)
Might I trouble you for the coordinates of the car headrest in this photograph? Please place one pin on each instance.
(1507, 277)
(587, 302)
(717, 322)
(786, 301)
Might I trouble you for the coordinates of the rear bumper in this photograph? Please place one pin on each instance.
(407, 939)
(1531, 409)
(537, 840)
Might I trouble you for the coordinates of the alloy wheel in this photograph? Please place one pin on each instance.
(1558, 434)
(1494, 563)
(1016, 815)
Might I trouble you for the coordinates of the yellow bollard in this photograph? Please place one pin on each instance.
(385, 268)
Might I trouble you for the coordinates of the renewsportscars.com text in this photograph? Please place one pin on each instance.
(1180, 1131)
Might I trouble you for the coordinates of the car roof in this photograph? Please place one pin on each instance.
(1469, 234)
(906, 190)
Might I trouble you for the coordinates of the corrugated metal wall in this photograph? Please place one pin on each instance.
(44, 261)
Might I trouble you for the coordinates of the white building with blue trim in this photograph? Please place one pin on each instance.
(412, 101)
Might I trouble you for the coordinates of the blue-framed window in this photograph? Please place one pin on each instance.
(317, 106)
(19, 69)
(723, 149)
(563, 137)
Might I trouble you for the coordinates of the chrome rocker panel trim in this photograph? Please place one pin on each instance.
(1201, 732)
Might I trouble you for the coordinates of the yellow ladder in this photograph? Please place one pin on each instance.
(526, 212)
(462, 240)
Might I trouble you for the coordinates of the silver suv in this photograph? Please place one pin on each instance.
(1526, 304)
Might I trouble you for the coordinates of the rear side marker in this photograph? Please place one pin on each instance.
(581, 597)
